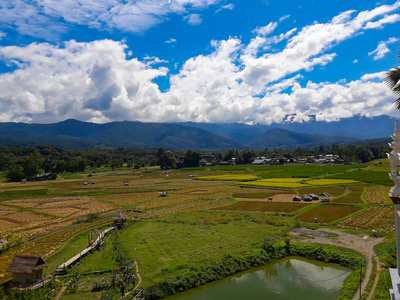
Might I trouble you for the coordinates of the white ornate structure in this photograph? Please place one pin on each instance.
(394, 160)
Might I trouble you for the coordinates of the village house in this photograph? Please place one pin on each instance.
(261, 161)
(206, 160)
(27, 269)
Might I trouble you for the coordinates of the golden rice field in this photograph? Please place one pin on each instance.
(375, 218)
(295, 182)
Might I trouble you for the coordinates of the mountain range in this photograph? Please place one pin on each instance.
(201, 136)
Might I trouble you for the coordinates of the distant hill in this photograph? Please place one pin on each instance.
(77, 134)
(357, 127)
(280, 138)
(200, 136)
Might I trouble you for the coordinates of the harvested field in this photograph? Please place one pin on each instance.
(206, 190)
(349, 198)
(165, 201)
(377, 194)
(194, 205)
(129, 199)
(7, 225)
(327, 213)
(377, 218)
(27, 217)
(265, 206)
(7, 209)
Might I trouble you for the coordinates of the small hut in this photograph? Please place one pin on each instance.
(119, 220)
(325, 197)
(27, 269)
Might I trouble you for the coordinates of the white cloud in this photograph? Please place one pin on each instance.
(284, 18)
(382, 48)
(236, 82)
(2, 34)
(193, 19)
(266, 30)
(229, 6)
(170, 41)
(355, 61)
(28, 17)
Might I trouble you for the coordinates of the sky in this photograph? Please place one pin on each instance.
(219, 61)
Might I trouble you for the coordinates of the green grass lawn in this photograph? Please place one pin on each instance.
(163, 247)
(72, 247)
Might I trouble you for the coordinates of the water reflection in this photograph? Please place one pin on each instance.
(289, 278)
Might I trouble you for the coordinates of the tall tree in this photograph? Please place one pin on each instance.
(393, 80)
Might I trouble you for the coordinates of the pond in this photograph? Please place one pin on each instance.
(287, 278)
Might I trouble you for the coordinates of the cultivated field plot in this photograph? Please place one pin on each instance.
(351, 197)
(46, 214)
(257, 193)
(327, 213)
(206, 190)
(334, 191)
(165, 201)
(265, 206)
(296, 182)
(274, 197)
(228, 177)
(128, 199)
(377, 194)
(375, 218)
(194, 205)
(7, 209)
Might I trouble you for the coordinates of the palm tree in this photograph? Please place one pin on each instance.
(393, 81)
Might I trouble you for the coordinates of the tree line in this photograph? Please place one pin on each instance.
(26, 162)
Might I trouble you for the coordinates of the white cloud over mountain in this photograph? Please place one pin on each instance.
(236, 82)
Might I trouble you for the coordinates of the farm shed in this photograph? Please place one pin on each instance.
(27, 268)
(119, 220)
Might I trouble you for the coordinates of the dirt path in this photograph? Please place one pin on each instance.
(64, 287)
(355, 242)
(138, 283)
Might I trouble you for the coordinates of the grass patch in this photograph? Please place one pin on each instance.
(284, 207)
(168, 245)
(375, 177)
(23, 193)
(327, 213)
(351, 197)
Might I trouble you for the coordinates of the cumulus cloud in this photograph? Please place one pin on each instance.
(193, 19)
(382, 48)
(28, 17)
(170, 41)
(236, 82)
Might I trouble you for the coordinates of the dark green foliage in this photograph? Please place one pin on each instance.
(375, 177)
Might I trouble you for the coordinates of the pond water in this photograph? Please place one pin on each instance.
(287, 278)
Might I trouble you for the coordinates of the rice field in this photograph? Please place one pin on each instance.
(327, 213)
(375, 218)
(283, 207)
(297, 183)
(377, 195)
(351, 197)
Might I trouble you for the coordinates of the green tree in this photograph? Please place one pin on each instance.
(191, 159)
(393, 81)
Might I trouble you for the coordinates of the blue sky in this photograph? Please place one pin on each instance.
(196, 60)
